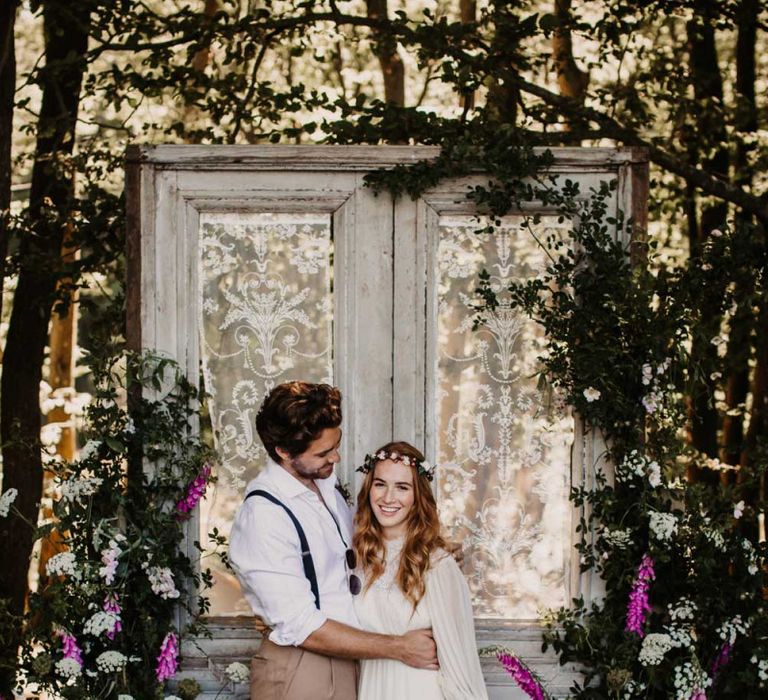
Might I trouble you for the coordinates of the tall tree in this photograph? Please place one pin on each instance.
(468, 13)
(7, 90)
(571, 80)
(742, 325)
(385, 48)
(66, 27)
(711, 149)
(503, 88)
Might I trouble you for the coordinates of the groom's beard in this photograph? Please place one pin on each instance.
(306, 471)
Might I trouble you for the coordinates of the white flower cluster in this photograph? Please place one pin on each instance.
(663, 526)
(682, 614)
(111, 661)
(6, 500)
(620, 539)
(681, 635)
(729, 630)
(68, 668)
(684, 610)
(716, 538)
(172, 697)
(750, 550)
(690, 681)
(161, 580)
(762, 668)
(75, 490)
(637, 465)
(238, 673)
(101, 622)
(633, 690)
(124, 696)
(653, 649)
(89, 449)
(109, 557)
(63, 564)
(654, 399)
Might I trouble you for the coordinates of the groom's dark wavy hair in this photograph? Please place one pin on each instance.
(294, 414)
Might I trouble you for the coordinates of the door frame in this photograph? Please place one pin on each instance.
(166, 188)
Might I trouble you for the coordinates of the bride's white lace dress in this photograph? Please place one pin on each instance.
(446, 608)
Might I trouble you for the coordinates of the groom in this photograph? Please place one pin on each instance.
(291, 550)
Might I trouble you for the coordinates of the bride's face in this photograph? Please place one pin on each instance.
(392, 497)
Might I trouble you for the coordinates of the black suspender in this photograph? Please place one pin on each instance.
(306, 556)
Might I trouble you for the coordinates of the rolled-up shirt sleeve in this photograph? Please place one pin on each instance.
(265, 553)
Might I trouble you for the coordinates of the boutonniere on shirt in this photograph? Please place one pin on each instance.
(343, 489)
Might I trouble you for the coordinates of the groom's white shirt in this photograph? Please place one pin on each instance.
(265, 553)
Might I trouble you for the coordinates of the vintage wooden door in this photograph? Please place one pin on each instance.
(256, 265)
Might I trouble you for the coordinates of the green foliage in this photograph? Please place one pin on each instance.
(626, 333)
(118, 521)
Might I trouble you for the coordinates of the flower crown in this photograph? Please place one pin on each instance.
(422, 466)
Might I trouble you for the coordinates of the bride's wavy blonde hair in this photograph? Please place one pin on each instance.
(422, 536)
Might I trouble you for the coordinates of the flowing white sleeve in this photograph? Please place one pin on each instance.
(450, 609)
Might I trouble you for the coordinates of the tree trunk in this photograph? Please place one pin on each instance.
(7, 89)
(468, 10)
(710, 127)
(61, 375)
(571, 80)
(199, 63)
(503, 91)
(392, 67)
(66, 26)
(742, 325)
(758, 421)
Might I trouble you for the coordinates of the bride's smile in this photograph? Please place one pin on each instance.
(392, 497)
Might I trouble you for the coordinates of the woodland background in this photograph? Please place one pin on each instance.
(685, 79)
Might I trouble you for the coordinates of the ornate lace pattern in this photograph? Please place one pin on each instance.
(386, 581)
(503, 441)
(266, 313)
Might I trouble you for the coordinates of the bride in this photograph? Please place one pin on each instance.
(410, 582)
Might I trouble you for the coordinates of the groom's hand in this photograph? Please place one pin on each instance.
(261, 627)
(419, 649)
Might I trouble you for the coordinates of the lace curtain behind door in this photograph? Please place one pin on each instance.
(266, 310)
(503, 444)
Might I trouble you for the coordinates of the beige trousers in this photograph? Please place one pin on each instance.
(290, 673)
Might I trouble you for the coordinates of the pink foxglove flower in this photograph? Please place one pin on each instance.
(721, 660)
(112, 605)
(638, 605)
(71, 649)
(195, 492)
(522, 676)
(167, 660)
